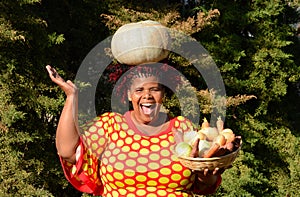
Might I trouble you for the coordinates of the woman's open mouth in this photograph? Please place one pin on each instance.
(148, 108)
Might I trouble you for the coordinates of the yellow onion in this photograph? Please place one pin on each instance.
(227, 130)
(201, 136)
(210, 132)
(228, 134)
(220, 139)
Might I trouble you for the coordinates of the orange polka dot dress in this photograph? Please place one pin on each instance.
(115, 159)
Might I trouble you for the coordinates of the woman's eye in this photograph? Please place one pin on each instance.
(155, 89)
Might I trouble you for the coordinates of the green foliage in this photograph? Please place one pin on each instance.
(249, 44)
(30, 103)
(252, 42)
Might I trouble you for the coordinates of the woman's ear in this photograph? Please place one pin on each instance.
(128, 95)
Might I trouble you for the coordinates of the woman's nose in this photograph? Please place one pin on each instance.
(147, 94)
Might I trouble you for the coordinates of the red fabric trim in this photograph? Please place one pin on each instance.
(84, 184)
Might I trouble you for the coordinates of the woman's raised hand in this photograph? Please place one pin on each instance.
(68, 87)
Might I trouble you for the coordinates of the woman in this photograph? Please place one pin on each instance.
(128, 154)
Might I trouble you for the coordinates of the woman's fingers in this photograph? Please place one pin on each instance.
(217, 171)
(52, 72)
(72, 85)
(54, 75)
(207, 172)
(67, 86)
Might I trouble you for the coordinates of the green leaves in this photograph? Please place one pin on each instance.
(251, 42)
(55, 39)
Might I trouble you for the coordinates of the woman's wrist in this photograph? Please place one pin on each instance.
(72, 96)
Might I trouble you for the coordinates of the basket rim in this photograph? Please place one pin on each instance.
(211, 158)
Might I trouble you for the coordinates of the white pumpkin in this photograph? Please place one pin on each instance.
(140, 43)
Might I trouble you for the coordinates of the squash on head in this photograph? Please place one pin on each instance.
(140, 43)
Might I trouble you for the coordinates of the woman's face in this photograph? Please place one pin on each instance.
(146, 95)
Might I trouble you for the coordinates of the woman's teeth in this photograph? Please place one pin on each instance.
(147, 105)
(147, 108)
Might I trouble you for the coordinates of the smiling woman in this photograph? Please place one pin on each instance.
(146, 92)
(129, 154)
(146, 95)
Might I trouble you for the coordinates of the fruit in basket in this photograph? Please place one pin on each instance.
(217, 148)
(208, 141)
(183, 149)
(218, 141)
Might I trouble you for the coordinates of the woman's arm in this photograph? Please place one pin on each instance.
(67, 136)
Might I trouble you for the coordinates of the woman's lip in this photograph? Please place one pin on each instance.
(148, 108)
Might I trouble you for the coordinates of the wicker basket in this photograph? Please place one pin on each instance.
(209, 163)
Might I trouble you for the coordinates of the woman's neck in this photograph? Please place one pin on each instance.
(160, 124)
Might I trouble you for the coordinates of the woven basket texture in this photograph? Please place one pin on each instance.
(210, 163)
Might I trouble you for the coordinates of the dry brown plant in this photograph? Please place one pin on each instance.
(209, 100)
(172, 19)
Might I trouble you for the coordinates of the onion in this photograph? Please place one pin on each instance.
(202, 136)
(183, 149)
(228, 134)
(190, 137)
(204, 146)
(227, 131)
(210, 132)
(220, 139)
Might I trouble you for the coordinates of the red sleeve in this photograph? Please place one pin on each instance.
(209, 190)
(83, 175)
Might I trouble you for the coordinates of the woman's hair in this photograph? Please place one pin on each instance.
(124, 75)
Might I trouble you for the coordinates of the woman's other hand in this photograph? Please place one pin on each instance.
(208, 179)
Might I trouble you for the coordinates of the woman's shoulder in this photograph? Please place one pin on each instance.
(180, 119)
(110, 115)
(182, 122)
